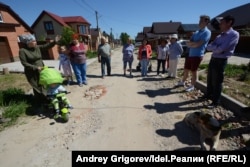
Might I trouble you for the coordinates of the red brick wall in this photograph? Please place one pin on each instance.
(11, 33)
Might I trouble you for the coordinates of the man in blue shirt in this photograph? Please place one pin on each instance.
(197, 45)
(222, 47)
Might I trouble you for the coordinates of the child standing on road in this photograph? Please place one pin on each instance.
(64, 62)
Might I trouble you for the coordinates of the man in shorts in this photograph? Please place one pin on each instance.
(197, 45)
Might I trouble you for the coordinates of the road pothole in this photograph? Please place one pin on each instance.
(95, 92)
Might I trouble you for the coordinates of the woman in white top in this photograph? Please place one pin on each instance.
(175, 52)
(162, 54)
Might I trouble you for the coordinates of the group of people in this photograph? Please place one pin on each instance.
(168, 53)
(222, 47)
(70, 57)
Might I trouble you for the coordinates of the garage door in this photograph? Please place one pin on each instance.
(5, 56)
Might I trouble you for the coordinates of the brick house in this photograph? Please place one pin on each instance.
(48, 25)
(11, 26)
(96, 37)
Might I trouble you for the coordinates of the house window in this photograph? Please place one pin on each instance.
(1, 18)
(82, 29)
(48, 26)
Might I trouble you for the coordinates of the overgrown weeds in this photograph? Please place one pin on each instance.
(236, 82)
(239, 72)
(14, 101)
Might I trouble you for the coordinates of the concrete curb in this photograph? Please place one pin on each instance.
(226, 101)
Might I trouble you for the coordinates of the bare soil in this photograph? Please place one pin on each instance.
(115, 113)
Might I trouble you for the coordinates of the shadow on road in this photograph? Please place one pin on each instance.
(183, 133)
(162, 108)
(154, 93)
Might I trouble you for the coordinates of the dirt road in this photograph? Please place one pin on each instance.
(129, 114)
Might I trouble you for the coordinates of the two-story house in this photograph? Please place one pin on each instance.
(11, 26)
(48, 25)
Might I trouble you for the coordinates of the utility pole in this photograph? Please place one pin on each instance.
(111, 34)
(96, 15)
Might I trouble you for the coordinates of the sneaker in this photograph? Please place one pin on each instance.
(180, 83)
(212, 106)
(81, 85)
(85, 83)
(190, 88)
(70, 106)
(57, 114)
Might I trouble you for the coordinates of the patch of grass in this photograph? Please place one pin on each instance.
(14, 103)
(242, 72)
(236, 82)
(232, 70)
(203, 66)
(154, 55)
(202, 78)
(15, 110)
(11, 95)
(91, 54)
(14, 80)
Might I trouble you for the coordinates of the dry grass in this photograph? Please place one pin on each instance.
(234, 88)
(14, 80)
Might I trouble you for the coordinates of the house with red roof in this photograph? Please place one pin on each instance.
(48, 25)
(11, 26)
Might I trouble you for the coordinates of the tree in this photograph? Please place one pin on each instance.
(66, 36)
(124, 37)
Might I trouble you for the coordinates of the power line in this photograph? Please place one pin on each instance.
(83, 1)
(81, 5)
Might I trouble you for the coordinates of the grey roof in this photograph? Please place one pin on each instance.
(146, 29)
(139, 37)
(240, 13)
(190, 27)
(165, 27)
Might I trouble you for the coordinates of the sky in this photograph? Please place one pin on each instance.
(129, 16)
